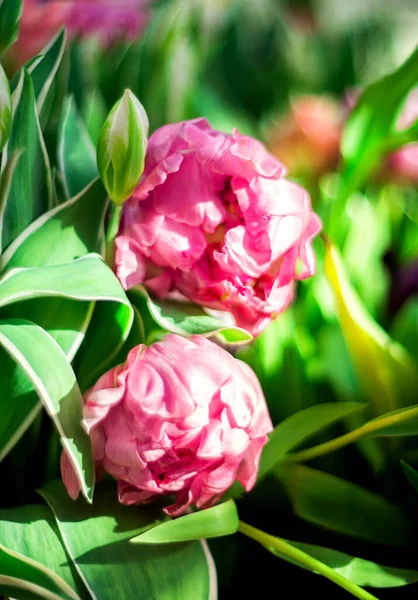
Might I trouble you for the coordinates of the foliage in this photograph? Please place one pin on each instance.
(339, 368)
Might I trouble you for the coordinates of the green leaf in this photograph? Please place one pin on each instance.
(405, 428)
(343, 507)
(29, 66)
(122, 147)
(5, 185)
(184, 318)
(235, 336)
(33, 532)
(102, 345)
(24, 578)
(10, 13)
(65, 233)
(87, 278)
(397, 423)
(358, 570)
(19, 403)
(59, 192)
(340, 373)
(94, 112)
(99, 353)
(368, 238)
(300, 427)
(295, 556)
(213, 522)
(43, 69)
(411, 474)
(404, 328)
(386, 374)
(43, 72)
(370, 129)
(5, 109)
(57, 388)
(76, 153)
(30, 191)
(97, 539)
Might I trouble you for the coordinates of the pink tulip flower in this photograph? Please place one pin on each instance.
(214, 220)
(181, 417)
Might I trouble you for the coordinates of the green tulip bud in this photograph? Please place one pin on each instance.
(5, 109)
(122, 147)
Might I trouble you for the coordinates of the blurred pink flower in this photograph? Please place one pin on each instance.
(307, 139)
(181, 417)
(108, 19)
(214, 219)
(39, 23)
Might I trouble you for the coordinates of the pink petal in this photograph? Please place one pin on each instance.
(69, 477)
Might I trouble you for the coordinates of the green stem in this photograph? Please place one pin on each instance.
(348, 438)
(303, 559)
(112, 231)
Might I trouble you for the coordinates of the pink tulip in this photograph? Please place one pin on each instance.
(107, 19)
(214, 219)
(181, 417)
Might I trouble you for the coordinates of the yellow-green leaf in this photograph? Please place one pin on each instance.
(385, 372)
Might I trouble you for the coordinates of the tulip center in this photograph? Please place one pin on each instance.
(174, 465)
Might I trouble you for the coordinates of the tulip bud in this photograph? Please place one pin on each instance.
(122, 147)
(5, 109)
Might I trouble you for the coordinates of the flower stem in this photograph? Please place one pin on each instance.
(348, 438)
(296, 555)
(112, 230)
